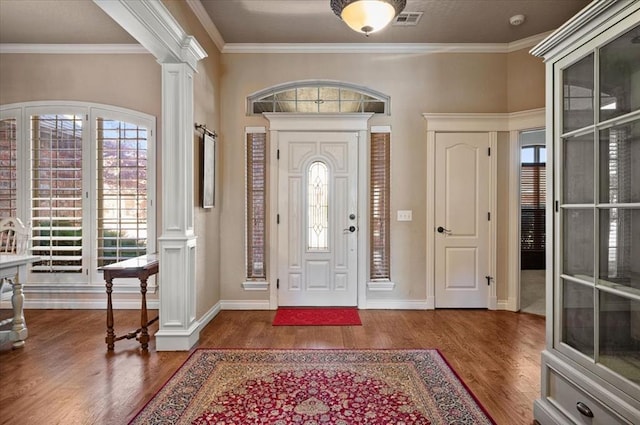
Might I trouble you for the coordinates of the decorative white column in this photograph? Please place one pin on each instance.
(177, 243)
(152, 25)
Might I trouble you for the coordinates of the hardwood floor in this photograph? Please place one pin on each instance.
(64, 374)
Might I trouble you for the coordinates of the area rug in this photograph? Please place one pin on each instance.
(316, 317)
(314, 387)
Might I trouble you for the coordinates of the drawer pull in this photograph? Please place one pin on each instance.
(584, 409)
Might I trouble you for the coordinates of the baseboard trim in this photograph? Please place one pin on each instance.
(397, 305)
(177, 339)
(209, 316)
(244, 305)
(87, 304)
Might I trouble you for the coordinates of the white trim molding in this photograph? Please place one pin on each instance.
(255, 285)
(396, 305)
(381, 48)
(71, 49)
(245, 305)
(151, 24)
(580, 24)
(204, 18)
(380, 285)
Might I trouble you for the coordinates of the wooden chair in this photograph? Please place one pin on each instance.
(14, 239)
(14, 236)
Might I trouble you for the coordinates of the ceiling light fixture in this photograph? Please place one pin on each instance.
(367, 16)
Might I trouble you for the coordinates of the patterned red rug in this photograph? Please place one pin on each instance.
(305, 387)
(316, 317)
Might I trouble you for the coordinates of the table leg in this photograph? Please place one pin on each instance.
(144, 333)
(110, 339)
(19, 328)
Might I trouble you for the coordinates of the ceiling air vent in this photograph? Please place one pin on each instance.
(407, 19)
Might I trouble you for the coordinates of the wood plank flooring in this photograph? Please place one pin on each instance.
(64, 374)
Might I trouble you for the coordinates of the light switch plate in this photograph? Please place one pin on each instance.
(404, 215)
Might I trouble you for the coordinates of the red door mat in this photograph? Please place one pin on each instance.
(317, 317)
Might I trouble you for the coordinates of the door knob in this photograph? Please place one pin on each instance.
(441, 229)
(350, 229)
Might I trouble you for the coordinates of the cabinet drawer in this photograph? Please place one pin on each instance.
(566, 396)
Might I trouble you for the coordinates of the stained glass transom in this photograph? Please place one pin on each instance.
(310, 97)
(318, 207)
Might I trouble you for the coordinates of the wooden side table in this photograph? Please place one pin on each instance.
(140, 267)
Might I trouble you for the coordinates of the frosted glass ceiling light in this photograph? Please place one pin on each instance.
(367, 16)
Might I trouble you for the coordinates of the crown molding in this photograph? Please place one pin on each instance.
(71, 49)
(202, 15)
(584, 21)
(395, 48)
(501, 121)
(153, 26)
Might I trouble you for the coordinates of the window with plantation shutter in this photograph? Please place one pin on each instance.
(56, 200)
(82, 176)
(8, 158)
(256, 148)
(379, 206)
(121, 191)
(532, 204)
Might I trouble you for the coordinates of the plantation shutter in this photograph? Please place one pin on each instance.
(56, 212)
(121, 191)
(256, 207)
(8, 170)
(379, 206)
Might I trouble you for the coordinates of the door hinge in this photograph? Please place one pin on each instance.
(489, 216)
(277, 283)
(488, 151)
(278, 154)
(489, 279)
(277, 218)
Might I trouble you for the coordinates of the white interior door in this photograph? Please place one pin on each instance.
(317, 207)
(462, 239)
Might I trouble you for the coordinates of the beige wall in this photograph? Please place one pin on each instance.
(416, 83)
(525, 81)
(206, 84)
(128, 81)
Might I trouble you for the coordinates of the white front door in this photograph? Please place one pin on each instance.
(317, 230)
(462, 239)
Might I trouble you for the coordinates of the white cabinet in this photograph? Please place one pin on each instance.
(591, 364)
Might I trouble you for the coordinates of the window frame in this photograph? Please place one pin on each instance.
(380, 211)
(250, 275)
(90, 276)
(273, 91)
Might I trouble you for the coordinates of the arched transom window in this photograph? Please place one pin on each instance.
(310, 97)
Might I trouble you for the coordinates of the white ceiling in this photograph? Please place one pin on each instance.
(292, 21)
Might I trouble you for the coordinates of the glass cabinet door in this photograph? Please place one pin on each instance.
(598, 214)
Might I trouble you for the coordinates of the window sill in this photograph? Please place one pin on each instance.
(255, 285)
(380, 285)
